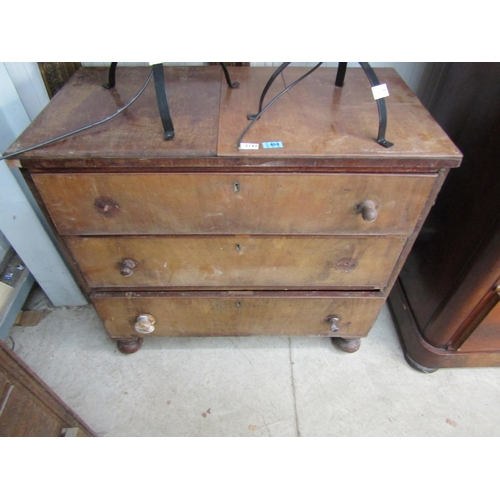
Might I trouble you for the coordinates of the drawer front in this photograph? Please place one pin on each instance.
(192, 203)
(236, 261)
(232, 314)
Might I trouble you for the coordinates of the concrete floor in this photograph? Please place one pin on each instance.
(252, 386)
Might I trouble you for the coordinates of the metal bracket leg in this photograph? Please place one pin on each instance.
(267, 87)
(382, 110)
(161, 97)
(111, 76)
(341, 70)
(233, 85)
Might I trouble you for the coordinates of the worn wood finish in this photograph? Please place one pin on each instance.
(232, 203)
(28, 407)
(236, 261)
(315, 118)
(325, 124)
(233, 314)
(193, 98)
(220, 164)
(66, 254)
(194, 237)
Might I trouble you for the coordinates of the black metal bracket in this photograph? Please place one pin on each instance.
(111, 76)
(339, 82)
(267, 87)
(341, 70)
(233, 85)
(161, 96)
(258, 115)
(382, 110)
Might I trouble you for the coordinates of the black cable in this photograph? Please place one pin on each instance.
(63, 136)
(258, 115)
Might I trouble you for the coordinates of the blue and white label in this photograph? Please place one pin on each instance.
(275, 144)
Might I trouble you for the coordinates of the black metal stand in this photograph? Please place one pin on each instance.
(382, 110)
(161, 98)
(267, 87)
(161, 94)
(233, 85)
(339, 82)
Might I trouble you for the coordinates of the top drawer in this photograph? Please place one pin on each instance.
(212, 203)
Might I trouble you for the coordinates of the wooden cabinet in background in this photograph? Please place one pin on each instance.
(446, 301)
(28, 407)
(196, 237)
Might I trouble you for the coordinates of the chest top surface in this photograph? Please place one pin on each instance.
(315, 120)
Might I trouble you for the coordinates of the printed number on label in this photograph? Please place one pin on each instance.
(274, 144)
(249, 145)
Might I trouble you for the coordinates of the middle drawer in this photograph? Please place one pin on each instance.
(237, 261)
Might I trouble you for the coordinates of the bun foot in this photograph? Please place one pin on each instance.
(129, 346)
(347, 345)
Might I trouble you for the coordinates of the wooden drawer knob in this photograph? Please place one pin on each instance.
(127, 267)
(106, 206)
(334, 323)
(367, 209)
(145, 323)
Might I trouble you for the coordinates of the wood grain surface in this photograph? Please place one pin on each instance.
(244, 313)
(315, 118)
(238, 261)
(193, 97)
(232, 203)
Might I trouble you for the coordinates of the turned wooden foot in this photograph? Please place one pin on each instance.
(129, 346)
(347, 345)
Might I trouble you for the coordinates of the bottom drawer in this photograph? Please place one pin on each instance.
(179, 314)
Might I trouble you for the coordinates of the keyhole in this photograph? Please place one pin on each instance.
(238, 247)
(238, 304)
(236, 187)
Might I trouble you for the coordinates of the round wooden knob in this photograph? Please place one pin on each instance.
(367, 209)
(145, 323)
(106, 206)
(127, 267)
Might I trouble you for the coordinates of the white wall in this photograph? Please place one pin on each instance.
(22, 97)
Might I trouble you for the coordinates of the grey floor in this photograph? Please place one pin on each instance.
(252, 386)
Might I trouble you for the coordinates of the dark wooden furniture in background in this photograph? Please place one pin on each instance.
(56, 74)
(28, 407)
(446, 303)
(194, 237)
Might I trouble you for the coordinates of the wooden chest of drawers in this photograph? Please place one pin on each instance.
(194, 237)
